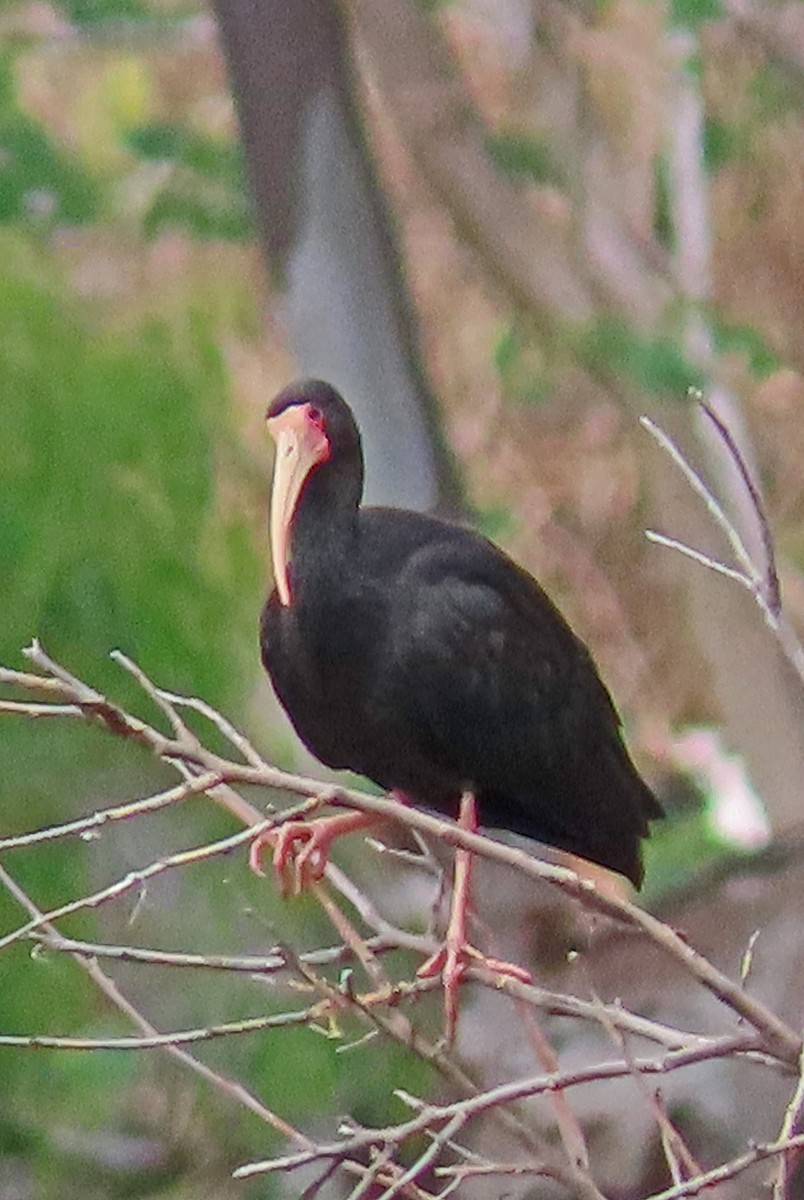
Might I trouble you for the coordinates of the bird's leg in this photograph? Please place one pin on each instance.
(301, 848)
(456, 954)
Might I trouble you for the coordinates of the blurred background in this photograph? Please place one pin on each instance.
(506, 228)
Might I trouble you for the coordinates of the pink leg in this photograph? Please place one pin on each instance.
(452, 959)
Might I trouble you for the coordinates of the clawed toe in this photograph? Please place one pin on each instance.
(301, 848)
(451, 962)
(299, 855)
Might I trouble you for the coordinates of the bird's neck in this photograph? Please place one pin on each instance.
(322, 535)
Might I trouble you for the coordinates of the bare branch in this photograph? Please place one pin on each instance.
(791, 1127)
(763, 584)
(729, 1170)
(137, 878)
(376, 1156)
(249, 964)
(778, 1038)
(182, 1037)
(704, 560)
(170, 701)
(31, 683)
(120, 812)
(771, 590)
(568, 1125)
(233, 735)
(433, 1116)
(34, 711)
(180, 729)
(710, 500)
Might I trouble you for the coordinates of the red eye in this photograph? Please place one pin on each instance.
(316, 416)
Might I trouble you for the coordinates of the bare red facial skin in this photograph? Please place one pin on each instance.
(316, 417)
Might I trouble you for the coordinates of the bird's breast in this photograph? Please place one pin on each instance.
(321, 671)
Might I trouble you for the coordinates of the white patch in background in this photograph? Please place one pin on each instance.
(735, 809)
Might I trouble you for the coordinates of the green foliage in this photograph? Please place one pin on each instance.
(211, 158)
(307, 1070)
(746, 340)
(205, 193)
(108, 471)
(112, 534)
(656, 365)
(662, 215)
(721, 144)
(38, 184)
(298, 1071)
(508, 350)
(38, 991)
(122, 526)
(776, 92)
(87, 12)
(369, 1096)
(694, 13)
(519, 367)
(496, 522)
(522, 156)
(678, 850)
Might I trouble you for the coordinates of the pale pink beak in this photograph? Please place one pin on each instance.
(301, 445)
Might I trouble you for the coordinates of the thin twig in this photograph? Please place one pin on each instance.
(729, 1170)
(552, 1003)
(31, 682)
(380, 1159)
(771, 591)
(678, 1157)
(35, 711)
(763, 584)
(791, 1126)
(704, 560)
(702, 490)
(180, 1037)
(229, 731)
(251, 964)
(427, 1156)
(432, 1116)
(120, 812)
(773, 1043)
(569, 1127)
(351, 938)
(396, 1026)
(779, 1038)
(229, 1087)
(180, 728)
(136, 878)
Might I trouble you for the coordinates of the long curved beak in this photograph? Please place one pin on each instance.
(300, 446)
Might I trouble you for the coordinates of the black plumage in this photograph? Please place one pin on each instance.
(416, 653)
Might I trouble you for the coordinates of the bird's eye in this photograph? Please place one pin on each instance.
(316, 416)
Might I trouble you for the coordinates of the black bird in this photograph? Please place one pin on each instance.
(416, 653)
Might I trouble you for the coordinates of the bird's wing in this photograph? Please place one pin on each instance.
(489, 659)
(499, 688)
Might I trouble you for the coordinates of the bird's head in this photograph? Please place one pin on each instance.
(311, 424)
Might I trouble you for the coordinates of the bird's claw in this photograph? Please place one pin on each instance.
(300, 851)
(451, 961)
(301, 848)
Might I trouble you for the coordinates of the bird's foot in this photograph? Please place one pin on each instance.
(451, 961)
(456, 954)
(301, 848)
(299, 856)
